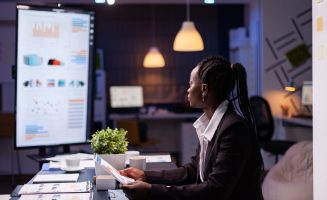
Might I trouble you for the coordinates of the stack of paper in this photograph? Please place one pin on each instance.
(58, 165)
(47, 188)
(157, 158)
(72, 196)
(81, 156)
(55, 178)
(58, 191)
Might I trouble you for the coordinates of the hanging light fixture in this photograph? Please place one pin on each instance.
(188, 38)
(153, 59)
(290, 86)
(111, 2)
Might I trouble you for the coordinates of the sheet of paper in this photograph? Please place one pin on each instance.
(154, 158)
(157, 158)
(81, 156)
(59, 165)
(71, 196)
(55, 188)
(55, 178)
(117, 194)
(110, 169)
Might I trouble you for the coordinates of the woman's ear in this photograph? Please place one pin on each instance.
(204, 89)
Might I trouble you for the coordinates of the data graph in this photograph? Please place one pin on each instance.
(48, 30)
(79, 25)
(76, 109)
(79, 57)
(34, 131)
(45, 107)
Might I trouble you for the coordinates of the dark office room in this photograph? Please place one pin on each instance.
(163, 99)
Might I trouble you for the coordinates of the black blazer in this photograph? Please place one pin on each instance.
(232, 168)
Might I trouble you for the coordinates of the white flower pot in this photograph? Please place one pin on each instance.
(116, 160)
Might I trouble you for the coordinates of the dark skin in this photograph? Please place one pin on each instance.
(199, 96)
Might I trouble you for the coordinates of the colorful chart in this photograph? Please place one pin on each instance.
(33, 131)
(47, 30)
(79, 25)
(32, 60)
(76, 110)
(55, 62)
(79, 57)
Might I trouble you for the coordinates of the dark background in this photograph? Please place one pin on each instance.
(124, 32)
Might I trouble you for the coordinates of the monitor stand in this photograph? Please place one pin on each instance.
(43, 154)
(53, 151)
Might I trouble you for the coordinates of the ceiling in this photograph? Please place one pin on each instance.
(131, 1)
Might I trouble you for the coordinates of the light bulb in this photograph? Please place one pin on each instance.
(111, 2)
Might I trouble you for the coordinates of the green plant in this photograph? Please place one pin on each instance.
(109, 141)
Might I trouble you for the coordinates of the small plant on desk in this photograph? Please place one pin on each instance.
(111, 144)
(109, 141)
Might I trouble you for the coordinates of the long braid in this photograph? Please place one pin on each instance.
(244, 104)
(242, 95)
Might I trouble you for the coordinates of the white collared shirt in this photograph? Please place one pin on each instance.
(206, 129)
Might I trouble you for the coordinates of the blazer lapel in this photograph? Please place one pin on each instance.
(211, 145)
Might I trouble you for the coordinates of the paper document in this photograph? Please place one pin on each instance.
(109, 168)
(70, 196)
(81, 156)
(55, 178)
(117, 194)
(157, 158)
(47, 188)
(58, 165)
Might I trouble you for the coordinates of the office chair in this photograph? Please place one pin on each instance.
(265, 128)
(136, 134)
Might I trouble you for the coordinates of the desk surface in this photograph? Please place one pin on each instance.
(88, 173)
(305, 122)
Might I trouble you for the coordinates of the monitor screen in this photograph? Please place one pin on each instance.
(126, 96)
(307, 93)
(54, 75)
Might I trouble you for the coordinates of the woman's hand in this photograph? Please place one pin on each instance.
(137, 190)
(134, 173)
(137, 185)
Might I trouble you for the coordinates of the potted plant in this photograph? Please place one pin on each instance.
(111, 145)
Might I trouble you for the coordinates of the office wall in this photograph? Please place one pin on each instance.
(7, 55)
(286, 26)
(319, 20)
(124, 33)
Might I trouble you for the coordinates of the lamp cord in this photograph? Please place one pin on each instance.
(153, 26)
(188, 10)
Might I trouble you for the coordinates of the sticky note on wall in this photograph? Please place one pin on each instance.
(319, 24)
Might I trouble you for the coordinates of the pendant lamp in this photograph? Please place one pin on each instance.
(188, 38)
(153, 59)
(290, 86)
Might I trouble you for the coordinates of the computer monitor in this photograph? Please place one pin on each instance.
(126, 96)
(54, 57)
(306, 97)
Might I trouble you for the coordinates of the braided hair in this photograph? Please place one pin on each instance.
(227, 81)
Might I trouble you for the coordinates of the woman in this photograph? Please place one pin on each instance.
(228, 162)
